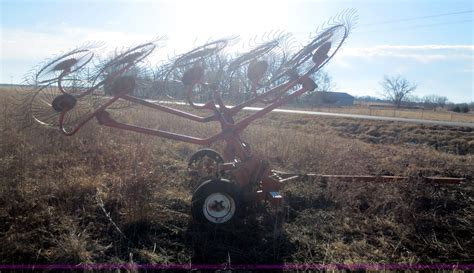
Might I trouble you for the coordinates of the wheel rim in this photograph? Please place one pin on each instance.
(219, 208)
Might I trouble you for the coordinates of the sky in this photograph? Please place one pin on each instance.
(429, 42)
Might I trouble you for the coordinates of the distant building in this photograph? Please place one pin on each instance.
(332, 98)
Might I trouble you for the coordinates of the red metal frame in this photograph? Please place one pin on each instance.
(246, 168)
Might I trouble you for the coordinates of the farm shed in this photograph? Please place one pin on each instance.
(332, 98)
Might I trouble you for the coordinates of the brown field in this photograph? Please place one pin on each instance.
(108, 196)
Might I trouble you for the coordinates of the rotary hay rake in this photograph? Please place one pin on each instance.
(66, 95)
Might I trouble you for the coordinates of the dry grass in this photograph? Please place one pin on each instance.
(447, 139)
(441, 115)
(105, 195)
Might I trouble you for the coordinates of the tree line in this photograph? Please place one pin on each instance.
(399, 91)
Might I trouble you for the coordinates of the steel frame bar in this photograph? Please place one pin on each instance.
(370, 178)
(227, 127)
(383, 178)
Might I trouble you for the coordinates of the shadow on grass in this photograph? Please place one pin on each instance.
(258, 238)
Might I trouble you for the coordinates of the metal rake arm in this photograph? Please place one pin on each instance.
(85, 120)
(170, 110)
(307, 85)
(104, 119)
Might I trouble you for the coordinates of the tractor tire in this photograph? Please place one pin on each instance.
(216, 202)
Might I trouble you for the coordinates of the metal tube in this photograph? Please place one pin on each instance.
(307, 83)
(170, 110)
(383, 178)
(104, 119)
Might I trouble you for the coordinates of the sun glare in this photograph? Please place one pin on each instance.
(205, 19)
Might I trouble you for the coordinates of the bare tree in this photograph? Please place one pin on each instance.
(441, 101)
(433, 101)
(324, 81)
(396, 89)
(429, 101)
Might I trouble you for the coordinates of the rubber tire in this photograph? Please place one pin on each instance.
(215, 186)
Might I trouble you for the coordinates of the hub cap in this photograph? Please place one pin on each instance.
(219, 208)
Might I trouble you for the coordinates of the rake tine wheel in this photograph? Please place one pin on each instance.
(61, 77)
(188, 69)
(66, 97)
(60, 67)
(259, 64)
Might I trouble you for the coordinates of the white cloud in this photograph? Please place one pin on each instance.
(427, 47)
(21, 44)
(35, 46)
(420, 53)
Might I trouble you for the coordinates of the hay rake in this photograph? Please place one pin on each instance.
(65, 97)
